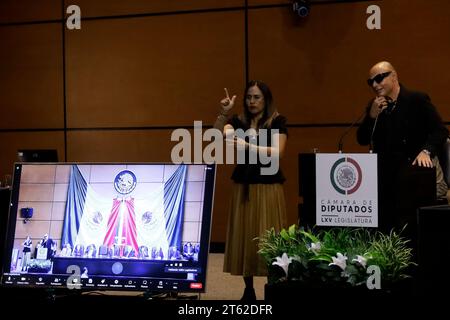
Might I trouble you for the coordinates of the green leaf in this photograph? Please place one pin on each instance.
(285, 235)
(310, 236)
(292, 231)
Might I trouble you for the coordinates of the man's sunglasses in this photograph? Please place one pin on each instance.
(378, 78)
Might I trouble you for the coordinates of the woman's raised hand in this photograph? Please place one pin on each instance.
(227, 103)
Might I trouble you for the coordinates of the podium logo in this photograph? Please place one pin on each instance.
(346, 176)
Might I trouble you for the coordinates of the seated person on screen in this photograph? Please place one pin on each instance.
(172, 253)
(188, 251)
(129, 252)
(78, 251)
(91, 251)
(104, 251)
(161, 254)
(116, 251)
(196, 251)
(66, 251)
(143, 252)
(154, 254)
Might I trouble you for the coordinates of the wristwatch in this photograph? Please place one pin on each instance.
(426, 152)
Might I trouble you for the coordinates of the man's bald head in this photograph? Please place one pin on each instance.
(381, 67)
(388, 85)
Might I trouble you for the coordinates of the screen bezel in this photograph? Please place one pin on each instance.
(183, 285)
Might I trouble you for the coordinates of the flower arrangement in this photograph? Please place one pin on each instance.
(39, 266)
(339, 257)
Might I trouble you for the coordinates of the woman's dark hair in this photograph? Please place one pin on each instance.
(269, 112)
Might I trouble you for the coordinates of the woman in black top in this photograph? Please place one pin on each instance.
(257, 197)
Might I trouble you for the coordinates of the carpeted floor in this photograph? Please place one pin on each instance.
(223, 286)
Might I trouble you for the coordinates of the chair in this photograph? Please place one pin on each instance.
(445, 163)
(444, 160)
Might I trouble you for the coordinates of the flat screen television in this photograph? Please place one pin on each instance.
(143, 227)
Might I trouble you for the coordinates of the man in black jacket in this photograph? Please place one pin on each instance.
(405, 130)
(47, 243)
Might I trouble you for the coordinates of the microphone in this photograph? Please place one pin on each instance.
(341, 139)
(391, 104)
(373, 131)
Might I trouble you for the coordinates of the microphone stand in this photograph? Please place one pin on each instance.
(341, 140)
(390, 107)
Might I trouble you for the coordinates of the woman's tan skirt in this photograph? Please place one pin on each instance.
(249, 218)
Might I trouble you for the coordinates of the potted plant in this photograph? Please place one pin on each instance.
(337, 259)
(39, 266)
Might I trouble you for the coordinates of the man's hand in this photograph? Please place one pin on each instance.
(378, 105)
(423, 160)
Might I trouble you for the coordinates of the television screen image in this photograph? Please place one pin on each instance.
(97, 226)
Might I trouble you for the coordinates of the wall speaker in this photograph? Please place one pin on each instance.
(301, 7)
(26, 214)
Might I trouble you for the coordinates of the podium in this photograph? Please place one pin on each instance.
(42, 253)
(338, 190)
(399, 192)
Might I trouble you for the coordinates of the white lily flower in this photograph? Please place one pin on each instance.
(315, 247)
(283, 262)
(361, 260)
(340, 261)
